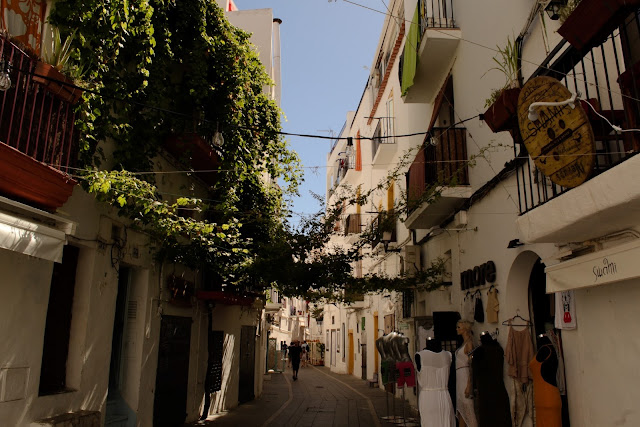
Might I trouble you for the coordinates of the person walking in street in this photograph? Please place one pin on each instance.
(294, 356)
(305, 352)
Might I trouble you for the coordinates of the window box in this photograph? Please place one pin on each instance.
(592, 21)
(50, 79)
(502, 115)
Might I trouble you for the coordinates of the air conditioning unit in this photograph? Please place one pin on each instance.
(411, 256)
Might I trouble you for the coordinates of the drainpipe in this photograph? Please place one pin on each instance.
(277, 90)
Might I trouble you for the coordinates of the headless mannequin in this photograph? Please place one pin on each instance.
(547, 356)
(432, 345)
(464, 330)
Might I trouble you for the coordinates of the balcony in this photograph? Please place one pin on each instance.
(352, 226)
(38, 141)
(608, 77)
(197, 152)
(438, 179)
(438, 39)
(384, 143)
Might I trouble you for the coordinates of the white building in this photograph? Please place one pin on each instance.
(501, 213)
(92, 327)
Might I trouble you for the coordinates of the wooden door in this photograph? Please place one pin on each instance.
(247, 364)
(351, 352)
(363, 354)
(170, 402)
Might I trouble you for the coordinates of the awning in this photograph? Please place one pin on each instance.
(599, 268)
(30, 238)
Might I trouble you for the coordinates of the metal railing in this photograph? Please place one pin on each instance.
(441, 162)
(608, 78)
(435, 14)
(378, 227)
(32, 119)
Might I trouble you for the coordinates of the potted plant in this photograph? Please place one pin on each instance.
(591, 21)
(501, 113)
(48, 72)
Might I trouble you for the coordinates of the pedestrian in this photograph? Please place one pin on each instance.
(289, 359)
(305, 353)
(294, 357)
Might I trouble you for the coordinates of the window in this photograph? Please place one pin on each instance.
(53, 375)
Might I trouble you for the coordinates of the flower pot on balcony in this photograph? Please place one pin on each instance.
(502, 115)
(593, 20)
(34, 183)
(48, 76)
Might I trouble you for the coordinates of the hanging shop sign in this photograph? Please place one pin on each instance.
(560, 141)
(598, 268)
(478, 275)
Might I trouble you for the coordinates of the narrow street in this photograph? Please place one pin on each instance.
(318, 398)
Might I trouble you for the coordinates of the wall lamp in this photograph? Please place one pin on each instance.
(386, 239)
(5, 81)
(514, 243)
(553, 8)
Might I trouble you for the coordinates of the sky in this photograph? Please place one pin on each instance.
(327, 48)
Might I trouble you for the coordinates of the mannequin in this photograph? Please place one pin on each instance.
(464, 402)
(493, 400)
(434, 403)
(546, 395)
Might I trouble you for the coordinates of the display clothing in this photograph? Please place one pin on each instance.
(521, 403)
(493, 306)
(478, 316)
(565, 317)
(519, 354)
(405, 374)
(468, 306)
(560, 380)
(436, 408)
(546, 396)
(464, 405)
(388, 368)
(493, 400)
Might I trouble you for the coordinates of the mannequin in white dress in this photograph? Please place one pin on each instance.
(464, 393)
(434, 402)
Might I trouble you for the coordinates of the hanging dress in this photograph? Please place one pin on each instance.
(493, 400)
(436, 408)
(464, 405)
(546, 396)
(493, 306)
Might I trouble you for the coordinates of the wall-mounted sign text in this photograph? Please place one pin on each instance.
(478, 275)
(561, 140)
(605, 269)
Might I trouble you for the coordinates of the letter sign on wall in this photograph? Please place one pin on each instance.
(561, 141)
(478, 275)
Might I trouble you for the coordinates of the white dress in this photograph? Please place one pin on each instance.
(436, 409)
(464, 405)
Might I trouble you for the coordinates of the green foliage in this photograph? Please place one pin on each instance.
(507, 62)
(568, 9)
(57, 53)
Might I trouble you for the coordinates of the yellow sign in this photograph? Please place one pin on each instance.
(560, 141)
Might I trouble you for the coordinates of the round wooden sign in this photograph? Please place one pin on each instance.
(561, 140)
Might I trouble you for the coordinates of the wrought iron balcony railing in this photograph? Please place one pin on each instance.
(442, 162)
(608, 79)
(33, 119)
(435, 14)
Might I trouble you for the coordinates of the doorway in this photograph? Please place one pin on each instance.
(333, 347)
(542, 315)
(363, 355)
(351, 353)
(247, 364)
(170, 402)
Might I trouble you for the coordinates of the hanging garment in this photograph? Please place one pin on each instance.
(388, 368)
(521, 403)
(436, 408)
(493, 306)
(565, 317)
(557, 345)
(546, 396)
(405, 374)
(519, 354)
(493, 400)
(468, 307)
(464, 405)
(479, 313)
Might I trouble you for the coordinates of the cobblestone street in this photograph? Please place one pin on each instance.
(318, 398)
